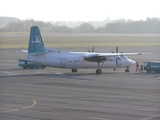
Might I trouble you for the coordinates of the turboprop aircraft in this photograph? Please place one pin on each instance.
(52, 57)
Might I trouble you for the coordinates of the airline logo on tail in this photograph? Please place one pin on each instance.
(36, 41)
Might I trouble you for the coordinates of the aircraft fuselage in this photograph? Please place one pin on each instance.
(76, 60)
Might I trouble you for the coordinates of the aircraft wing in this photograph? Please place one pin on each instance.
(99, 57)
(130, 54)
(95, 58)
(118, 54)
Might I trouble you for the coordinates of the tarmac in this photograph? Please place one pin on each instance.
(59, 94)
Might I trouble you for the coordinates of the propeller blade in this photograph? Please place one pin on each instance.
(92, 49)
(116, 49)
(117, 60)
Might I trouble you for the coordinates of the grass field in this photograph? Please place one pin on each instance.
(20, 40)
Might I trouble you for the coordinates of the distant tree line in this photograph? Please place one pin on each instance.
(148, 26)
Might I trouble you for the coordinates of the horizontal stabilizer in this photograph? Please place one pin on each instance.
(32, 54)
(36, 54)
(25, 51)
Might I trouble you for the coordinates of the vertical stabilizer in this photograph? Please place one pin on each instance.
(35, 41)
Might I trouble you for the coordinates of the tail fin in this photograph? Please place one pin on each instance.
(35, 41)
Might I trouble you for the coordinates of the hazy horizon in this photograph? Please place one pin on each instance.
(84, 10)
(107, 19)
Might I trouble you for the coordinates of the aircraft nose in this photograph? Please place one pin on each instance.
(133, 62)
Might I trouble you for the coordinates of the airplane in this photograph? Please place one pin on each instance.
(52, 57)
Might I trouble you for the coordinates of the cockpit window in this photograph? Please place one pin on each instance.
(125, 57)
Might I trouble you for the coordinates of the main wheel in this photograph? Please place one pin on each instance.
(99, 71)
(127, 70)
(74, 70)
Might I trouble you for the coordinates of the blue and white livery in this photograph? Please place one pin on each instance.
(52, 57)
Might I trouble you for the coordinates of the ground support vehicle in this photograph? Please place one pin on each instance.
(152, 66)
(30, 65)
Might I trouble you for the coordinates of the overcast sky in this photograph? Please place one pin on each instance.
(80, 10)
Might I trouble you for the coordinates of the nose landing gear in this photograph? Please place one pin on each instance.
(127, 70)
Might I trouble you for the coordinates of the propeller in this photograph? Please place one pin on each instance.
(117, 60)
(117, 56)
(92, 50)
(116, 50)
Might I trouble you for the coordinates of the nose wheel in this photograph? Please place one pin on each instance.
(99, 71)
(127, 70)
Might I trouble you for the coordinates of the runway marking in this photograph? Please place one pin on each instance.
(34, 103)
(13, 110)
(10, 111)
(148, 118)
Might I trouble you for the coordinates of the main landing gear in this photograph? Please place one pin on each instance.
(74, 70)
(99, 71)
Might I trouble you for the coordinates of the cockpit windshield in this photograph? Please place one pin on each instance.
(124, 57)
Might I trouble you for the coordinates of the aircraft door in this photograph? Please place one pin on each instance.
(63, 62)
